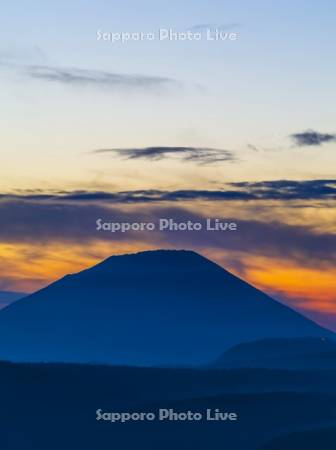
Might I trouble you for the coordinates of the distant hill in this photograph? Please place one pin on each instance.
(284, 353)
(159, 308)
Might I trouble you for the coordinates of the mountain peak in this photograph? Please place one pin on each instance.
(158, 253)
(154, 260)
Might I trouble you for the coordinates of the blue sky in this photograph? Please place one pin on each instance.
(277, 78)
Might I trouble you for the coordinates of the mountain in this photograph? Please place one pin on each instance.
(7, 297)
(157, 308)
(281, 353)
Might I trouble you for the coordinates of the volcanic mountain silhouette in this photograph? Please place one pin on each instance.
(165, 307)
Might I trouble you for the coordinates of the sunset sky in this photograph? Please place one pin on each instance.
(240, 129)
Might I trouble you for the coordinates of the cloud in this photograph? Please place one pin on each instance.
(272, 239)
(277, 190)
(42, 223)
(11, 55)
(312, 138)
(96, 78)
(254, 148)
(200, 155)
(88, 78)
(136, 196)
(290, 189)
(212, 26)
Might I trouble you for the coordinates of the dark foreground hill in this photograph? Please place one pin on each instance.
(155, 308)
(54, 407)
(324, 438)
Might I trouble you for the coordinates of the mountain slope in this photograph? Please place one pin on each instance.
(7, 297)
(151, 308)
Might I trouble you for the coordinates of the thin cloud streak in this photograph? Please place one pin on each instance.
(77, 77)
(200, 155)
(96, 78)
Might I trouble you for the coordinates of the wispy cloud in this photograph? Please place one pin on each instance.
(200, 155)
(277, 190)
(32, 62)
(97, 78)
(92, 78)
(11, 55)
(312, 138)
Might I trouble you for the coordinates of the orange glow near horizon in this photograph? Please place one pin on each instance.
(310, 291)
(313, 289)
(27, 268)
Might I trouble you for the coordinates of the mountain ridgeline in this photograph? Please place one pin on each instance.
(7, 297)
(156, 308)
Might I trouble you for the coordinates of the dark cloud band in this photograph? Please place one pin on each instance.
(240, 191)
(43, 223)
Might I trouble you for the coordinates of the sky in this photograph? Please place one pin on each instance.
(240, 128)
